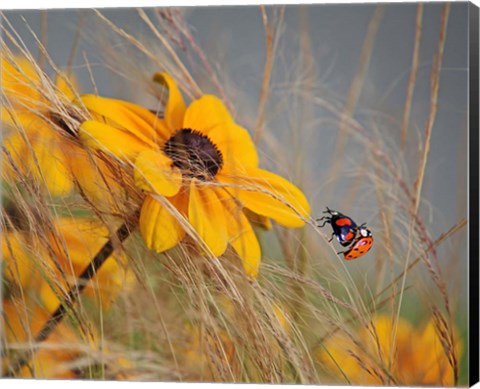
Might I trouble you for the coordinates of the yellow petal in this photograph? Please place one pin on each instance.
(283, 320)
(20, 81)
(258, 220)
(136, 120)
(104, 137)
(17, 149)
(82, 237)
(241, 235)
(75, 243)
(50, 164)
(95, 179)
(205, 114)
(236, 146)
(269, 195)
(434, 364)
(160, 230)
(112, 278)
(49, 298)
(66, 86)
(207, 216)
(175, 107)
(154, 173)
(336, 355)
(17, 265)
(17, 117)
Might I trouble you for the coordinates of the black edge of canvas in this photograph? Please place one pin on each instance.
(474, 167)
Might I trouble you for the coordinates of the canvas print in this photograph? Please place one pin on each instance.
(256, 194)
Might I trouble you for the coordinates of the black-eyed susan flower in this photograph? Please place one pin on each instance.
(39, 141)
(31, 142)
(411, 355)
(203, 163)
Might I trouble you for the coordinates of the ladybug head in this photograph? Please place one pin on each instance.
(331, 212)
(364, 231)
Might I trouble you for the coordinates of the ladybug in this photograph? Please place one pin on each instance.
(362, 244)
(344, 228)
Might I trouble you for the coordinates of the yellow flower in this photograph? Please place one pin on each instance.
(20, 82)
(54, 357)
(208, 355)
(40, 142)
(49, 270)
(37, 273)
(203, 163)
(416, 356)
(83, 238)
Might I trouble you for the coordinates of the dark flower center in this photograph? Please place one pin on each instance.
(67, 127)
(194, 154)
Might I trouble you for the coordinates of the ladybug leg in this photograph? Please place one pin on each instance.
(325, 220)
(331, 238)
(341, 252)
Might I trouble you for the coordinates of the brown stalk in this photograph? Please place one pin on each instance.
(185, 31)
(267, 73)
(413, 77)
(121, 32)
(457, 227)
(355, 90)
(171, 51)
(43, 37)
(435, 85)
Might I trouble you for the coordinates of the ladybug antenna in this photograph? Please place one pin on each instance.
(330, 211)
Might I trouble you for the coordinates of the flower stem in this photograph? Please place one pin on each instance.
(74, 293)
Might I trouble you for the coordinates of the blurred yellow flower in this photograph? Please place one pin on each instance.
(55, 357)
(74, 243)
(409, 356)
(51, 269)
(40, 142)
(222, 352)
(203, 163)
(208, 356)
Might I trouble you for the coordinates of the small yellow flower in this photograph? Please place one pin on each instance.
(203, 163)
(208, 356)
(54, 357)
(411, 356)
(82, 239)
(39, 142)
(51, 269)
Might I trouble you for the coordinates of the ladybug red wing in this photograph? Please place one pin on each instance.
(359, 248)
